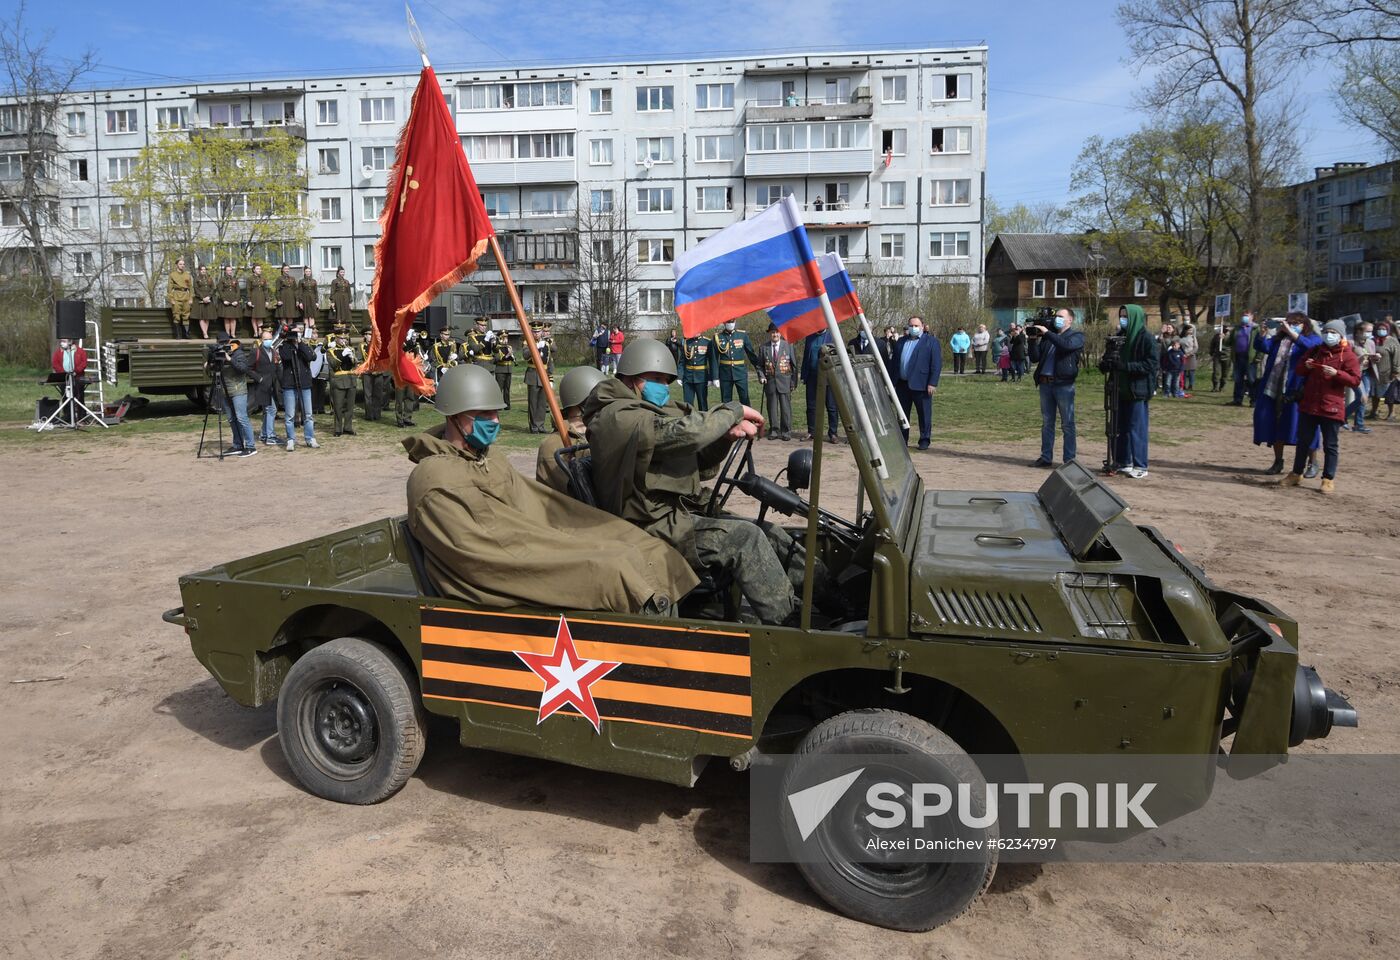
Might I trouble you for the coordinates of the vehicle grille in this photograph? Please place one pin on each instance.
(985, 608)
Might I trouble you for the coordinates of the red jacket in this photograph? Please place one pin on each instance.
(79, 360)
(615, 341)
(1325, 396)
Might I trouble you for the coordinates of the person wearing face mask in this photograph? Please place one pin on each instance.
(1364, 343)
(918, 367)
(733, 353)
(1056, 354)
(778, 373)
(1326, 372)
(860, 343)
(265, 378)
(1220, 352)
(886, 347)
(1387, 369)
(576, 385)
(1020, 349)
(809, 373)
(1240, 346)
(493, 537)
(1276, 393)
(1136, 370)
(650, 455)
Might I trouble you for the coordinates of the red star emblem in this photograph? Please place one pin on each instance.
(567, 677)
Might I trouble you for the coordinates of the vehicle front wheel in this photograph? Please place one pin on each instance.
(350, 721)
(912, 893)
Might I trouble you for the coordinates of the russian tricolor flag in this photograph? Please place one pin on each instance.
(746, 267)
(801, 318)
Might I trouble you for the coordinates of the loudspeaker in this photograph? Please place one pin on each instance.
(70, 319)
(436, 318)
(45, 407)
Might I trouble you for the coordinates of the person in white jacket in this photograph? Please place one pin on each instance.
(981, 346)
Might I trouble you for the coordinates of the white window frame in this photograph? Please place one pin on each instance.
(368, 254)
(665, 197)
(600, 101)
(327, 113)
(813, 137)
(784, 190)
(940, 88)
(961, 134)
(656, 250)
(332, 258)
(500, 201)
(371, 202)
(1105, 286)
(1061, 287)
(77, 123)
(121, 166)
(1139, 286)
(655, 301)
(83, 263)
(705, 90)
(1037, 287)
(324, 168)
(553, 211)
(77, 165)
(231, 112)
(181, 117)
(886, 188)
(78, 216)
(377, 158)
(954, 187)
(656, 98)
(128, 122)
(899, 141)
(659, 149)
(894, 243)
(894, 89)
(600, 152)
(602, 200)
(377, 110)
(330, 210)
(709, 148)
(702, 207)
(121, 216)
(127, 263)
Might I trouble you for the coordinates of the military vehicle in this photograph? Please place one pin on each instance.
(1002, 624)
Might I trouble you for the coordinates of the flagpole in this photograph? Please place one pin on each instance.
(884, 373)
(857, 401)
(528, 336)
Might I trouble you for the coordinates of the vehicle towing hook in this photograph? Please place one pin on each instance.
(898, 657)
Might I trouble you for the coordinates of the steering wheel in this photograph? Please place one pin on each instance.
(738, 462)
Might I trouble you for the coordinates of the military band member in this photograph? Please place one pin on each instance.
(478, 343)
(778, 372)
(701, 370)
(503, 364)
(320, 367)
(309, 299)
(534, 387)
(343, 361)
(179, 293)
(403, 396)
(574, 388)
(735, 352)
(205, 306)
(256, 297)
(341, 296)
(286, 297)
(377, 386)
(444, 353)
(230, 301)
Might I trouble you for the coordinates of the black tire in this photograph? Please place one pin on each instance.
(901, 896)
(350, 721)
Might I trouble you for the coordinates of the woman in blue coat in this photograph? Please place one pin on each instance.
(1276, 392)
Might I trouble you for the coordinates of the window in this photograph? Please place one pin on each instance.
(894, 141)
(771, 193)
(892, 193)
(328, 159)
(497, 146)
(1061, 287)
(128, 301)
(122, 215)
(13, 119)
(548, 203)
(330, 209)
(834, 195)
(656, 149)
(1324, 216)
(600, 201)
(127, 263)
(545, 248)
(518, 96)
(377, 158)
(225, 114)
(602, 250)
(497, 203)
(371, 207)
(1037, 286)
(600, 152)
(949, 193)
(376, 110)
(1105, 286)
(654, 200)
(838, 90)
(119, 168)
(78, 216)
(1349, 271)
(77, 123)
(654, 99)
(77, 170)
(713, 199)
(894, 89)
(656, 251)
(952, 86)
(172, 118)
(600, 100)
(952, 140)
(1139, 286)
(655, 300)
(551, 300)
(891, 246)
(714, 96)
(121, 121)
(714, 148)
(1376, 270)
(327, 112)
(9, 215)
(839, 243)
(834, 135)
(11, 166)
(777, 93)
(1348, 242)
(521, 146)
(1377, 207)
(83, 264)
(951, 245)
(368, 252)
(330, 258)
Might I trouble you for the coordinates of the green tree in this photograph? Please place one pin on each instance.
(1044, 217)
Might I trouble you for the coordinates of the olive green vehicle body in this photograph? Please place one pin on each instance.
(981, 619)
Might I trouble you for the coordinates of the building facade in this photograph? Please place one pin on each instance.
(1026, 272)
(628, 162)
(1346, 222)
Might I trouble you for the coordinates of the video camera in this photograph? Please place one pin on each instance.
(216, 354)
(1113, 348)
(1044, 317)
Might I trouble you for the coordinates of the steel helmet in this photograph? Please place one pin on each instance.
(467, 387)
(644, 355)
(577, 384)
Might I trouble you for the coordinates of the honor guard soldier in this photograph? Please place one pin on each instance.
(478, 343)
(179, 292)
(377, 385)
(309, 300)
(230, 301)
(735, 352)
(444, 353)
(503, 364)
(403, 397)
(574, 388)
(343, 361)
(205, 307)
(701, 370)
(341, 295)
(287, 305)
(256, 298)
(534, 389)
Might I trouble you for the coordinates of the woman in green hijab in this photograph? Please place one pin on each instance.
(1136, 368)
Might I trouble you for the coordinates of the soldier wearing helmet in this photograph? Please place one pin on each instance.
(577, 384)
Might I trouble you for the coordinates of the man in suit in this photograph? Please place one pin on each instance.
(918, 365)
(811, 356)
(777, 369)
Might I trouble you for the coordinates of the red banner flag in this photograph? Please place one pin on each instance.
(433, 229)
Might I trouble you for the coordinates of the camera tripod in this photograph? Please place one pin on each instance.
(215, 374)
(1112, 424)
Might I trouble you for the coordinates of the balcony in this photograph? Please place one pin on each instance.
(797, 163)
(820, 213)
(248, 130)
(857, 107)
(506, 172)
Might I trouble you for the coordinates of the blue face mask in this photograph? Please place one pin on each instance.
(483, 433)
(1331, 338)
(656, 394)
(1059, 323)
(1122, 323)
(916, 332)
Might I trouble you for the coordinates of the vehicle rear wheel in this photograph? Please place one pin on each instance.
(866, 886)
(350, 721)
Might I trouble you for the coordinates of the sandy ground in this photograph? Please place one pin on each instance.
(143, 814)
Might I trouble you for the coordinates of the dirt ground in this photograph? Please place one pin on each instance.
(143, 814)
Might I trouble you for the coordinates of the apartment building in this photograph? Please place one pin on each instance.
(1346, 222)
(884, 150)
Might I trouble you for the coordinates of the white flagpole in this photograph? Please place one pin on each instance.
(857, 401)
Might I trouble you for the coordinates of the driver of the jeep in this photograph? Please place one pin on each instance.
(650, 454)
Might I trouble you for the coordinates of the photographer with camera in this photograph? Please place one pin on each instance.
(1055, 346)
(1134, 370)
(295, 357)
(227, 366)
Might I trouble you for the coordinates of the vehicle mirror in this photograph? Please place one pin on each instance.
(799, 469)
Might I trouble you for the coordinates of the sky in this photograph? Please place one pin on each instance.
(1057, 72)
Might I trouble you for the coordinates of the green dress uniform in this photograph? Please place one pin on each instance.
(309, 296)
(503, 365)
(341, 295)
(477, 349)
(179, 292)
(286, 306)
(377, 386)
(444, 355)
(735, 352)
(343, 360)
(258, 312)
(534, 389)
(228, 299)
(403, 397)
(701, 366)
(206, 306)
